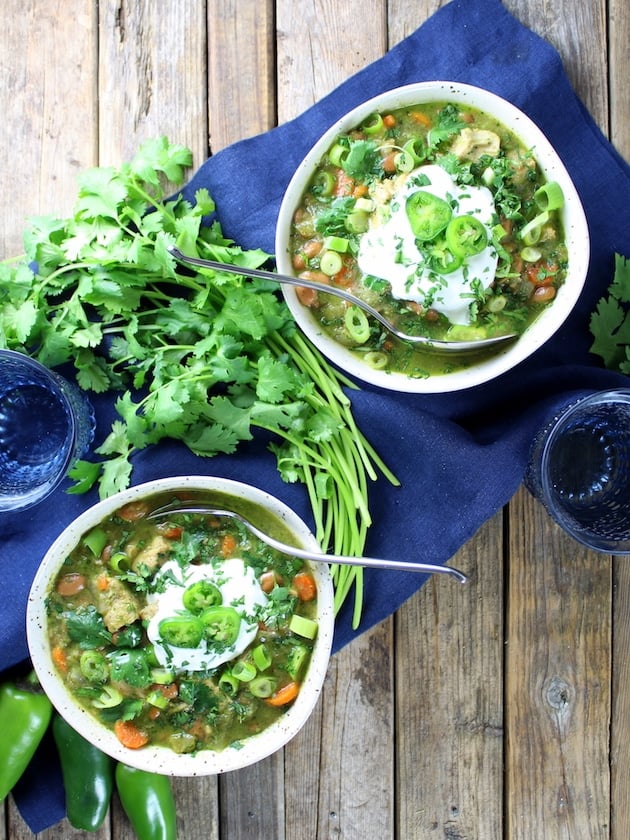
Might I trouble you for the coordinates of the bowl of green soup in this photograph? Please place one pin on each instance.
(446, 208)
(181, 643)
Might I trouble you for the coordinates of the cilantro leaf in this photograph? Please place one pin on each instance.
(610, 322)
(86, 626)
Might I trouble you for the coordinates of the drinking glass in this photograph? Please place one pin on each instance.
(579, 468)
(46, 423)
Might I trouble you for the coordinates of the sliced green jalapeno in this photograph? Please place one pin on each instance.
(428, 215)
(443, 260)
(466, 236)
(201, 595)
(221, 625)
(181, 631)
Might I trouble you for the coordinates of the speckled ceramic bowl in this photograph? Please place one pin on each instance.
(162, 759)
(574, 220)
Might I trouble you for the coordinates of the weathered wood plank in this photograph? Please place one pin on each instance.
(320, 44)
(558, 672)
(449, 697)
(48, 131)
(152, 76)
(315, 53)
(241, 70)
(578, 32)
(619, 41)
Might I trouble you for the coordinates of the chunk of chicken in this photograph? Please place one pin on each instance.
(149, 556)
(115, 602)
(473, 143)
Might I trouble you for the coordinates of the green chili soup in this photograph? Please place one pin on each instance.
(183, 631)
(438, 216)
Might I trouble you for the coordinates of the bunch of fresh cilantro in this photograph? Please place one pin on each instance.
(202, 357)
(610, 322)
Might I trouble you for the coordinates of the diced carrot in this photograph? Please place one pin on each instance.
(59, 658)
(130, 735)
(421, 118)
(360, 191)
(71, 584)
(102, 583)
(173, 532)
(304, 585)
(284, 695)
(389, 120)
(228, 545)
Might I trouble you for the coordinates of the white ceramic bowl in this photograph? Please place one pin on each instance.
(161, 759)
(574, 220)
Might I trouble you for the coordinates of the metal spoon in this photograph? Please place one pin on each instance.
(430, 343)
(366, 562)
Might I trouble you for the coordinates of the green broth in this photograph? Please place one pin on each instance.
(103, 598)
(353, 193)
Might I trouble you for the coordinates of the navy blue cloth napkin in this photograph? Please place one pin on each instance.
(464, 453)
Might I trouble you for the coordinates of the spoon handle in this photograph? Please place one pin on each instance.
(260, 273)
(303, 554)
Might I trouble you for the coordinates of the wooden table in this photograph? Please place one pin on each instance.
(496, 710)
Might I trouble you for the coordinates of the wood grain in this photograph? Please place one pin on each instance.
(48, 130)
(496, 710)
(557, 688)
(449, 698)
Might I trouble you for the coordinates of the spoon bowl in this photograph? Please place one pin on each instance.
(303, 554)
(428, 343)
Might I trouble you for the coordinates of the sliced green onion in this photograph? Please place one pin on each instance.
(95, 540)
(157, 699)
(108, 698)
(530, 254)
(302, 626)
(330, 263)
(243, 671)
(119, 562)
(549, 196)
(261, 657)
(357, 324)
(416, 148)
(530, 233)
(376, 359)
(497, 303)
(338, 154)
(263, 686)
(323, 183)
(373, 124)
(404, 161)
(228, 683)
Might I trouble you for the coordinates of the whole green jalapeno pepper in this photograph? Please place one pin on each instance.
(25, 714)
(88, 777)
(148, 801)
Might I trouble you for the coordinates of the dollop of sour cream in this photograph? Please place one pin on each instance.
(239, 588)
(388, 249)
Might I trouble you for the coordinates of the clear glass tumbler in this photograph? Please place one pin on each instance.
(46, 423)
(579, 468)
